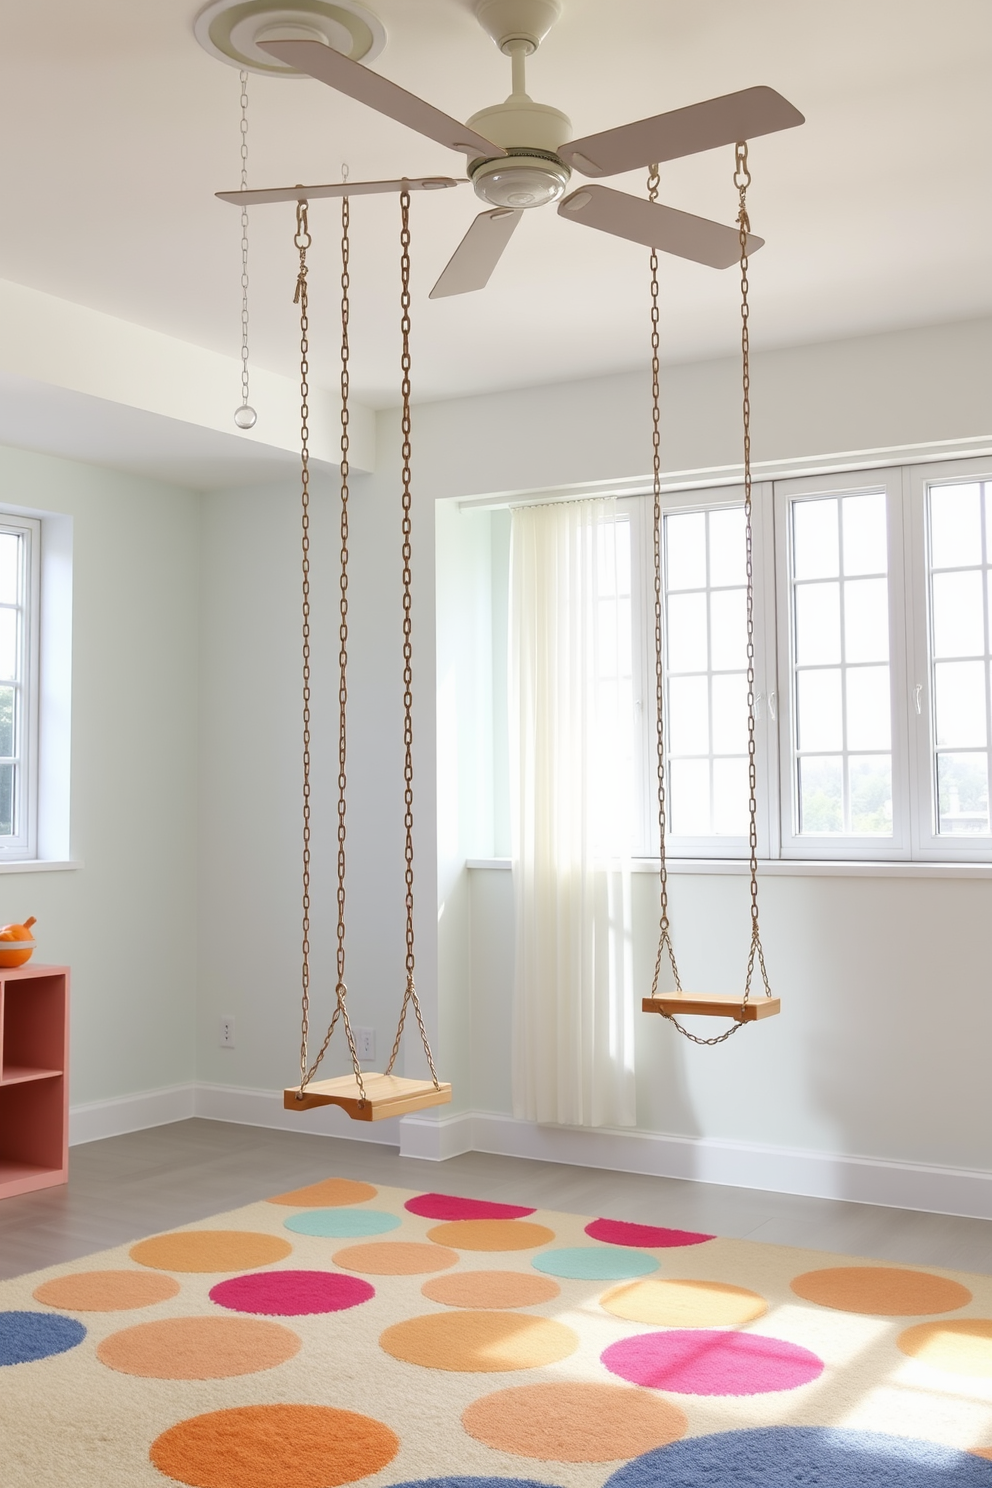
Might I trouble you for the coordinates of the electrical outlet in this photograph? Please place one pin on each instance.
(365, 1042)
(226, 1039)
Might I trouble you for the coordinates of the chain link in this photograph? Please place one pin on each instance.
(410, 994)
(742, 179)
(245, 416)
(303, 242)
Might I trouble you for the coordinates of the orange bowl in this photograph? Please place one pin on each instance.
(15, 952)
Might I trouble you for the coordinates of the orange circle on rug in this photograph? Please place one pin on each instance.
(330, 1193)
(963, 1346)
(491, 1234)
(394, 1258)
(274, 1446)
(210, 1250)
(886, 1291)
(684, 1304)
(491, 1289)
(479, 1342)
(198, 1348)
(106, 1291)
(574, 1422)
(985, 1452)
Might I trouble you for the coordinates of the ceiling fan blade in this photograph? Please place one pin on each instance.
(337, 188)
(338, 71)
(684, 131)
(478, 253)
(656, 226)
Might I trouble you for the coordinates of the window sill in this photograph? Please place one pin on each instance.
(36, 865)
(789, 868)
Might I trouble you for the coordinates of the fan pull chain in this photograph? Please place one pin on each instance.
(665, 945)
(245, 417)
(410, 994)
(303, 242)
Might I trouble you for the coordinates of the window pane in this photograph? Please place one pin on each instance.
(960, 703)
(728, 554)
(687, 650)
(871, 794)
(6, 721)
(689, 789)
(962, 793)
(866, 548)
(689, 716)
(958, 617)
(728, 641)
(7, 800)
(817, 624)
(820, 715)
(10, 568)
(8, 645)
(815, 539)
(730, 714)
(730, 803)
(866, 620)
(955, 526)
(869, 708)
(685, 544)
(821, 794)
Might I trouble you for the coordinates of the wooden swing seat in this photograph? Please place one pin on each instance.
(386, 1095)
(712, 1005)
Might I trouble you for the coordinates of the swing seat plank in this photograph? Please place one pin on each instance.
(386, 1095)
(712, 1005)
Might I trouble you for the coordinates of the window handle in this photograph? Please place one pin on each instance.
(772, 699)
(917, 694)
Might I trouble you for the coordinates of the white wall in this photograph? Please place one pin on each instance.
(126, 920)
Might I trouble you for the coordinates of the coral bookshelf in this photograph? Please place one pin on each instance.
(34, 1078)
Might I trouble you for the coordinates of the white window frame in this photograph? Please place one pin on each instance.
(642, 518)
(928, 844)
(24, 845)
(853, 847)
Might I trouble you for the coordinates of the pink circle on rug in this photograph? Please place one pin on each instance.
(450, 1206)
(648, 1237)
(291, 1293)
(703, 1361)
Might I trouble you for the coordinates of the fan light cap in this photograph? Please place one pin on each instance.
(520, 181)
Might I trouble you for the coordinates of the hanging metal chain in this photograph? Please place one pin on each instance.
(410, 994)
(664, 929)
(303, 242)
(742, 180)
(245, 416)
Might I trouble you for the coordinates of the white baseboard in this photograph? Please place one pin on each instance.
(824, 1175)
(434, 1138)
(93, 1120)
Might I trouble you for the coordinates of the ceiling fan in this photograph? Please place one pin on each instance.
(520, 156)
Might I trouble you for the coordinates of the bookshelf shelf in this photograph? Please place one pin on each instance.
(34, 1078)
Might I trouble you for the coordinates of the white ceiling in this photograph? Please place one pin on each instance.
(877, 213)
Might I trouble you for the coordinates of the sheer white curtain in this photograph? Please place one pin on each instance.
(571, 752)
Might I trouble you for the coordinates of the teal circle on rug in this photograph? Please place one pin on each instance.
(595, 1263)
(342, 1224)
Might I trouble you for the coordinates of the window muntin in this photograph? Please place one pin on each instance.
(842, 775)
(958, 520)
(705, 600)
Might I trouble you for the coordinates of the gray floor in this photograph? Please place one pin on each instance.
(126, 1187)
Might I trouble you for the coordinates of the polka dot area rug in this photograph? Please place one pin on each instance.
(344, 1333)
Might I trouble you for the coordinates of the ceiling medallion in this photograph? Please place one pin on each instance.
(232, 29)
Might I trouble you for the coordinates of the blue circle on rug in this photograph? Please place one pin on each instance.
(342, 1224)
(803, 1456)
(28, 1336)
(595, 1263)
(471, 1483)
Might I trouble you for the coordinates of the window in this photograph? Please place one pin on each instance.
(19, 562)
